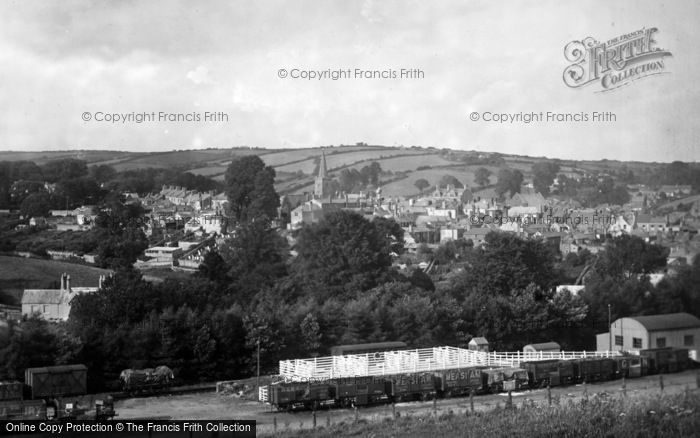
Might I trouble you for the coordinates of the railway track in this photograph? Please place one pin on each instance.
(178, 390)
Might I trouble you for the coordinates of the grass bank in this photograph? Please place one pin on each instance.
(600, 415)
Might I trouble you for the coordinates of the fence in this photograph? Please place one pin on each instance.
(424, 359)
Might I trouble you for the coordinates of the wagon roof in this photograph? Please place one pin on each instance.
(57, 369)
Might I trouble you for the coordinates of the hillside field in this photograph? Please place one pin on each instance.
(295, 167)
(18, 273)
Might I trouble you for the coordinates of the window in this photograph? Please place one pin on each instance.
(660, 342)
(618, 340)
(636, 343)
(688, 341)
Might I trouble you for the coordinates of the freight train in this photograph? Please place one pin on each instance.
(47, 393)
(364, 391)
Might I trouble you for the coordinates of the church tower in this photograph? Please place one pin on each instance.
(322, 182)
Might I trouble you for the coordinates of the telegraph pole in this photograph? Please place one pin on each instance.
(609, 329)
(257, 379)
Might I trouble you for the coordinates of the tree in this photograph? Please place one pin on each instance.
(35, 205)
(450, 180)
(214, 268)
(122, 240)
(681, 293)
(64, 169)
(103, 173)
(509, 181)
(628, 256)
(505, 263)
(342, 254)
(256, 257)
(370, 174)
(543, 175)
(31, 345)
(392, 232)
(421, 184)
(250, 189)
(311, 334)
(481, 177)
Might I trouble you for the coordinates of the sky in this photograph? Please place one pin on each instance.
(66, 67)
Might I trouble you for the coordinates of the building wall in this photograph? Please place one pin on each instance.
(675, 338)
(46, 311)
(629, 329)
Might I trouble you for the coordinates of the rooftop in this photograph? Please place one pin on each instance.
(669, 321)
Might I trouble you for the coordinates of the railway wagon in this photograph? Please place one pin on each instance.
(300, 396)
(22, 410)
(594, 369)
(666, 360)
(459, 381)
(359, 391)
(515, 379)
(682, 359)
(11, 390)
(56, 381)
(492, 380)
(630, 366)
(412, 386)
(146, 380)
(549, 372)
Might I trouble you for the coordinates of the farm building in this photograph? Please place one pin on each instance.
(53, 304)
(636, 333)
(479, 344)
(544, 346)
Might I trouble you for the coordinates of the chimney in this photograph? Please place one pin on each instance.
(100, 281)
(67, 283)
(63, 281)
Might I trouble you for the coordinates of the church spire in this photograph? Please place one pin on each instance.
(321, 185)
(322, 170)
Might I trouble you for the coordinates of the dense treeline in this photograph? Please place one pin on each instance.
(70, 183)
(208, 327)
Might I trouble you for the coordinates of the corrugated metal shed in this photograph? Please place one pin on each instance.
(669, 321)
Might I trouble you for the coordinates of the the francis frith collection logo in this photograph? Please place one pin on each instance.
(616, 62)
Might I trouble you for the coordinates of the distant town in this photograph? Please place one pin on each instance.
(183, 258)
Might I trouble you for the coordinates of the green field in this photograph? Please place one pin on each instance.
(334, 161)
(18, 273)
(42, 157)
(406, 186)
(408, 163)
